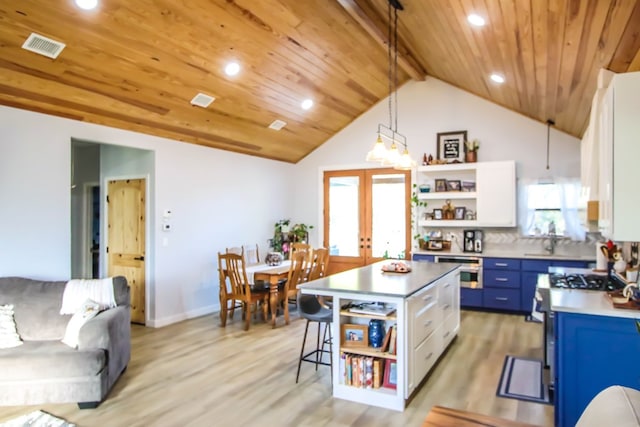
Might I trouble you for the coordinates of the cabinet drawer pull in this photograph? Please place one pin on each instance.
(502, 299)
(447, 334)
(446, 307)
(427, 298)
(447, 285)
(501, 264)
(428, 323)
(428, 356)
(502, 279)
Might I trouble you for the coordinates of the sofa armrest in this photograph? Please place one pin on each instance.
(110, 330)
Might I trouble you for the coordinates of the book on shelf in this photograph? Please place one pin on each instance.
(393, 339)
(377, 373)
(362, 371)
(368, 372)
(385, 342)
(372, 309)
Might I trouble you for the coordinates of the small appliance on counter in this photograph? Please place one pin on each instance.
(473, 241)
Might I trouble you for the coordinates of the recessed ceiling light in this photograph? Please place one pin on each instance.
(306, 104)
(232, 68)
(87, 4)
(476, 20)
(498, 78)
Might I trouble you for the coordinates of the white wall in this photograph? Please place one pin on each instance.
(219, 199)
(426, 108)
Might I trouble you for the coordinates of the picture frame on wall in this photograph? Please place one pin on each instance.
(453, 185)
(450, 146)
(437, 214)
(460, 212)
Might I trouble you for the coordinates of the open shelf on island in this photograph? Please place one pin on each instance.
(391, 316)
(368, 351)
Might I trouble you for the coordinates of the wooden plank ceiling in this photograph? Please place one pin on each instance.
(137, 64)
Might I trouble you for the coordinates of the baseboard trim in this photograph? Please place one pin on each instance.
(169, 320)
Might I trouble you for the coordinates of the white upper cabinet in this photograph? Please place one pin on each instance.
(619, 156)
(497, 188)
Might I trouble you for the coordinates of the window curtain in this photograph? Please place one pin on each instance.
(570, 189)
(525, 214)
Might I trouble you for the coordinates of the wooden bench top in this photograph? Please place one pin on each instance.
(439, 416)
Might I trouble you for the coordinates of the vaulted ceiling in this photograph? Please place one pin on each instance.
(136, 65)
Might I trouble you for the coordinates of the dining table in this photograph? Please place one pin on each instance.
(271, 274)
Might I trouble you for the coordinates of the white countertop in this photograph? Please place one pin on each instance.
(524, 251)
(588, 302)
(373, 281)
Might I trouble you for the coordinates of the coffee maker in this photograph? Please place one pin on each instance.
(473, 241)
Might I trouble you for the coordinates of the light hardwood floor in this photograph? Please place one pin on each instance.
(195, 373)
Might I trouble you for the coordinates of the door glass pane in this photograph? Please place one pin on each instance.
(388, 216)
(344, 216)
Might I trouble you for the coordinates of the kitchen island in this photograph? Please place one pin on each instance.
(597, 345)
(423, 306)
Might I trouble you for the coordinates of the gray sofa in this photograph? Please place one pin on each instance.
(43, 369)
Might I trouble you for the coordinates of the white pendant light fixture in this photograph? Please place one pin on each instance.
(379, 152)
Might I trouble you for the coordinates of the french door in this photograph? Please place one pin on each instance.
(366, 216)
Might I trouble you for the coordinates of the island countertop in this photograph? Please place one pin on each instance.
(373, 281)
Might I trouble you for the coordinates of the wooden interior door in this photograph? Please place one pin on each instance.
(126, 239)
(366, 216)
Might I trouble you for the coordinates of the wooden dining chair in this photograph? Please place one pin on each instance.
(251, 253)
(319, 263)
(240, 289)
(300, 246)
(297, 271)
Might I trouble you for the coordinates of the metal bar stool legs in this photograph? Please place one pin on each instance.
(315, 356)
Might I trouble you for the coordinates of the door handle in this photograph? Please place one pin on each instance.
(139, 258)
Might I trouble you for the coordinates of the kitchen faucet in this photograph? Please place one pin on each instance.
(553, 238)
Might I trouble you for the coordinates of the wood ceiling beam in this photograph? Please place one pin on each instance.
(377, 29)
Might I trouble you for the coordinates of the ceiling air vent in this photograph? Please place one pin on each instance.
(277, 125)
(202, 100)
(43, 45)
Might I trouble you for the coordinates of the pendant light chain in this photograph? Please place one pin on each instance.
(390, 61)
(395, 66)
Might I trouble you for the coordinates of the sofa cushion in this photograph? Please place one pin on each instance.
(38, 360)
(37, 307)
(9, 337)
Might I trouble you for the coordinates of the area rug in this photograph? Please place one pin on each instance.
(37, 419)
(521, 379)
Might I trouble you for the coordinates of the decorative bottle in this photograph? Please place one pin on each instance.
(376, 332)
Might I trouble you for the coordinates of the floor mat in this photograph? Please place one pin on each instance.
(37, 419)
(521, 379)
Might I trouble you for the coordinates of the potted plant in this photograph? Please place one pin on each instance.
(301, 232)
(415, 204)
(471, 151)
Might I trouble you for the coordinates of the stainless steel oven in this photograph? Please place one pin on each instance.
(470, 272)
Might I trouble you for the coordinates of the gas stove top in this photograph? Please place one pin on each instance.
(590, 282)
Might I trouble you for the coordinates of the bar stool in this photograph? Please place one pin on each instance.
(310, 309)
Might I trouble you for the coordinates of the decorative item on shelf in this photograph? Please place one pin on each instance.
(468, 186)
(424, 188)
(471, 151)
(441, 185)
(425, 161)
(380, 153)
(450, 146)
(354, 335)
(469, 215)
(460, 211)
(273, 258)
(453, 185)
(376, 332)
(448, 210)
(437, 214)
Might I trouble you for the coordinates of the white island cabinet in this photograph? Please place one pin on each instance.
(424, 307)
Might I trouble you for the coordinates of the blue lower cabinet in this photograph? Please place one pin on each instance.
(423, 257)
(502, 299)
(528, 290)
(471, 297)
(592, 353)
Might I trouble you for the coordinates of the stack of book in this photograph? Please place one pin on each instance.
(361, 371)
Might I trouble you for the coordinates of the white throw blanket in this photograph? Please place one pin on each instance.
(77, 291)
